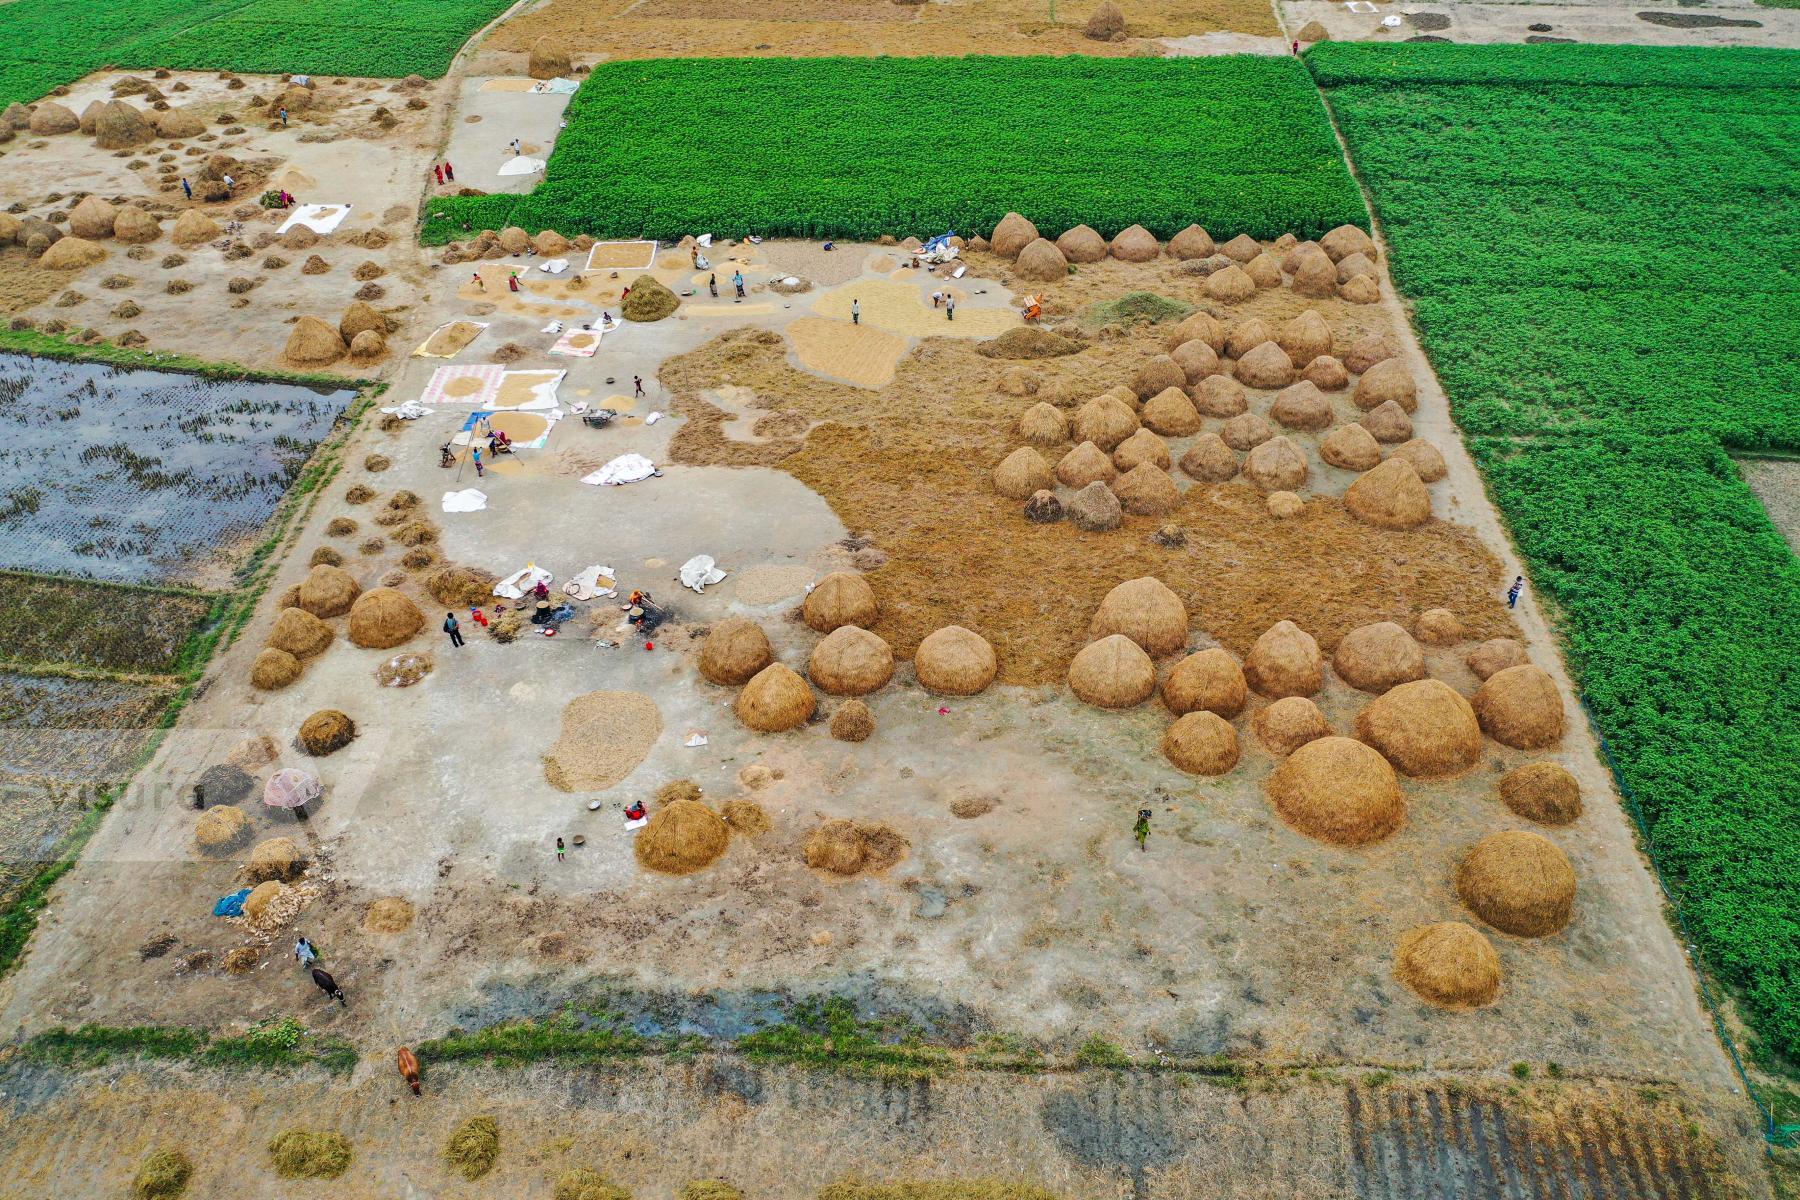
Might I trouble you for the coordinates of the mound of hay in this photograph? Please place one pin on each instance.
(313, 343)
(326, 556)
(361, 317)
(584, 1183)
(1044, 425)
(1438, 627)
(72, 254)
(461, 587)
(1427, 461)
(299, 633)
(841, 598)
(390, 914)
(220, 827)
(1544, 792)
(1196, 359)
(1028, 342)
(367, 346)
(1520, 707)
(177, 123)
(1223, 396)
(1140, 448)
(50, 117)
(1094, 509)
(309, 1154)
(1424, 728)
(1266, 366)
(747, 816)
(1208, 681)
(734, 651)
(1285, 661)
(852, 722)
(852, 847)
(1312, 31)
(1082, 245)
(163, 1175)
(1043, 262)
(1146, 491)
(326, 732)
(1264, 270)
(1106, 24)
(1389, 496)
(224, 783)
(1367, 351)
(1494, 656)
(278, 858)
(1113, 672)
(1246, 336)
(1354, 266)
(93, 218)
(1346, 240)
(1201, 743)
(382, 618)
(1021, 473)
(1350, 447)
(1304, 338)
(1339, 791)
(954, 661)
(1159, 373)
(1241, 248)
(1327, 374)
(119, 126)
(1316, 277)
(775, 700)
(1146, 611)
(1199, 326)
(1374, 658)
(475, 1144)
(1192, 242)
(1230, 286)
(1171, 414)
(1044, 508)
(273, 669)
(253, 752)
(1012, 235)
(1518, 882)
(549, 60)
(708, 1189)
(1134, 244)
(1104, 422)
(1304, 406)
(1288, 724)
(1360, 289)
(681, 838)
(134, 226)
(261, 898)
(1283, 505)
(850, 661)
(649, 300)
(1384, 381)
(1388, 423)
(1085, 464)
(1449, 963)
(1209, 459)
(1275, 465)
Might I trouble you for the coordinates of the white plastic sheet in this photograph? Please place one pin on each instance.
(467, 500)
(514, 586)
(699, 571)
(627, 468)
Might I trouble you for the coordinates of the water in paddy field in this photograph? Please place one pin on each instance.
(141, 476)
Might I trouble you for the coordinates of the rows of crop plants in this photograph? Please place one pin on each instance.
(1600, 246)
(855, 148)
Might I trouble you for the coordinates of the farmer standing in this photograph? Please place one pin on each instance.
(284, 116)
(453, 629)
(737, 281)
(438, 174)
(449, 172)
(1141, 831)
(479, 286)
(187, 189)
(712, 285)
(304, 953)
(475, 453)
(559, 850)
(512, 282)
(950, 308)
(1512, 593)
(856, 312)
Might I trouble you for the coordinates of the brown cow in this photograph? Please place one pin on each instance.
(409, 1068)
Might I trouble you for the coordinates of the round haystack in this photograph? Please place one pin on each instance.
(775, 700)
(549, 60)
(1230, 286)
(649, 300)
(327, 591)
(1107, 24)
(1113, 672)
(1544, 792)
(1209, 459)
(1043, 262)
(50, 117)
(1388, 423)
(134, 226)
(360, 317)
(850, 847)
(1044, 508)
(1495, 655)
(954, 661)
(1192, 242)
(1021, 473)
(1304, 338)
(261, 898)
(852, 722)
(1171, 414)
(841, 598)
(326, 731)
(1221, 396)
(1520, 707)
(1339, 791)
(383, 618)
(224, 783)
(1264, 270)
(1017, 381)
(1276, 465)
(1146, 611)
(1105, 422)
(1312, 31)
(194, 227)
(163, 1174)
(390, 914)
(1082, 244)
(1044, 425)
(515, 240)
(1140, 448)
(681, 838)
(1201, 743)
(1267, 366)
(1327, 374)
(1389, 496)
(276, 858)
(850, 661)
(1199, 326)
(1424, 728)
(1303, 406)
(177, 123)
(1196, 359)
(1350, 447)
(1288, 724)
(734, 651)
(1285, 504)
(551, 243)
(299, 633)
(1438, 627)
(1295, 255)
(1449, 963)
(16, 116)
(120, 126)
(1134, 244)
(1012, 235)
(313, 343)
(72, 254)
(367, 346)
(1520, 883)
(1355, 266)
(1246, 336)
(1147, 491)
(461, 587)
(1085, 464)
(93, 218)
(1387, 380)
(1158, 374)
(1374, 658)
(1346, 240)
(1368, 351)
(1285, 661)
(1315, 276)
(220, 828)
(1123, 393)
(1241, 248)
(1360, 289)
(273, 669)
(1207, 681)
(1094, 508)
(1425, 458)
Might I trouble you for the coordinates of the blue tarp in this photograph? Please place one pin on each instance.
(232, 905)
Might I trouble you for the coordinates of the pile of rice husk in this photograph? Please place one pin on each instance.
(649, 300)
(775, 700)
(841, 598)
(299, 633)
(1147, 612)
(1450, 963)
(1544, 792)
(1201, 743)
(853, 847)
(390, 914)
(326, 732)
(50, 117)
(681, 838)
(1520, 707)
(327, 591)
(1438, 627)
(261, 900)
(1424, 728)
(1518, 882)
(225, 783)
(383, 618)
(279, 858)
(735, 649)
(1374, 658)
(1113, 672)
(1339, 791)
(954, 661)
(272, 669)
(220, 828)
(747, 816)
(1012, 235)
(850, 661)
(1029, 342)
(1207, 681)
(475, 1144)
(852, 722)
(585, 1183)
(310, 1154)
(1285, 661)
(404, 670)
(461, 587)
(1288, 724)
(605, 735)
(313, 343)
(361, 317)
(163, 1175)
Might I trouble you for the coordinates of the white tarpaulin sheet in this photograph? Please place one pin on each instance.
(596, 580)
(627, 468)
(699, 571)
(527, 577)
(320, 218)
(518, 164)
(467, 500)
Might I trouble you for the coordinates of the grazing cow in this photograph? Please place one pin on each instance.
(409, 1068)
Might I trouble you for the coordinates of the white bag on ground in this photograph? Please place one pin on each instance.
(699, 571)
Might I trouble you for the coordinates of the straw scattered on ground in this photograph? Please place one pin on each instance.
(605, 735)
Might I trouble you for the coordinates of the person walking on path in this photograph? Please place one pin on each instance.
(304, 953)
(712, 285)
(284, 116)
(949, 308)
(559, 850)
(1141, 831)
(475, 453)
(438, 173)
(737, 281)
(479, 285)
(453, 629)
(516, 148)
(325, 983)
(187, 189)
(637, 387)
(1512, 593)
(856, 312)
(449, 172)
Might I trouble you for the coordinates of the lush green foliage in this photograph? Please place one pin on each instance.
(1604, 278)
(269, 1044)
(857, 147)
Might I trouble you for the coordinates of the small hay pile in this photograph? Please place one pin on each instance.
(649, 300)
(313, 343)
(1146, 611)
(1147, 491)
(1339, 791)
(260, 904)
(1303, 406)
(708, 1189)
(1518, 882)
(1387, 380)
(1288, 724)
(1113, 672)
(1520, 707)
(1424, 728)
(220, 828)
(1042, 262)
(383, 618)
(327, 591)
(1208, 681)
(1350, 447)
(746, 817)
(775, 700)
(1438, 627)
(71, 254)
(681, 838)
(473, 1147)
(1374, 658)
(1171, 414)
(310, 1154)
(1274, 464)
(1104, 422)
(1028, 342)
(326, 732)
(461, 587)
(1095, 509)
(1012, 235)
(841, 598)
(1544, 792)
(605, 735)
(163, 1175)
(850, 661)
(225, 783)
(390, 914)
(1022, 473)
(852, 722)
(734, 651)
(1426, 459)
(954, 661)
(1494, 656)
(1449, 963)
(1201, 743)
(1267, 366)
(852, 847)
(1044, 425)
(404, 670)
(1106, 24)
(585, 1183)
(1390, 496)
(1085, 465)
(1285, 661)
(279, 858)
(1209, 459)
(1082, 244)
(254, 752)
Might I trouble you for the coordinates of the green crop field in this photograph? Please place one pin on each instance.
(1601, 246)
(857, 147)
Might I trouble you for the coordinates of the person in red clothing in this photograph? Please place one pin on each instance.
(512, 282)
(449, 173)
(438, 172)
